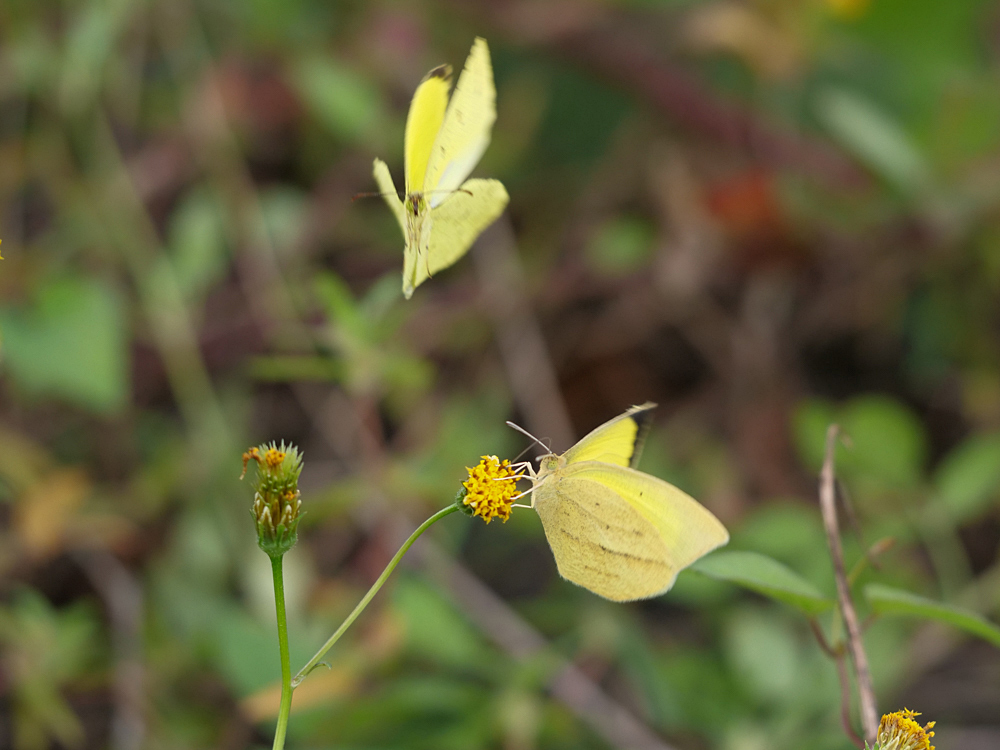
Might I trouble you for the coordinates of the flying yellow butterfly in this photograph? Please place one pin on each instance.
(616, 531)
(442, 213)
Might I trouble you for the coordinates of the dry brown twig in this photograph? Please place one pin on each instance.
(828, 506)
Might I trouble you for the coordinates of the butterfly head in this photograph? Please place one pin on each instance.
(549, 463)
(415, 204)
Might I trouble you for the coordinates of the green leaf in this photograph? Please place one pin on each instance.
(71, 344)
(197, 241)
(621, 245)
(340, 98)
(887, 441)
(766, 576)
(874, 137)
(297, 367)
(809, 422)
(968, 479)
(885, 600)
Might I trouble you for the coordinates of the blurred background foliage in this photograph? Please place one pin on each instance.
(764, 215)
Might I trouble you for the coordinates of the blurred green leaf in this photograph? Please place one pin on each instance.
(90, 43)
(581, 118)
(766, 576)
(287, 368)
(968, 479)
(45, 649)
(792, 533)
(197, 241)
(340, 305)
(884, 440)
(71, 344)
(764, 652)
(435, 629)
(343, 101)
(621, 245)
(874, 138)
(885, 600)
(810, 421)
(887, 440)
(282, 216)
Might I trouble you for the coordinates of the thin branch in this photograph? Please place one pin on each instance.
(828, 506)
(832, 652)
(837, 653)
(845, 701)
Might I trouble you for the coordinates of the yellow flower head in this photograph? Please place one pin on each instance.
(490, 488)
(898, 731)
(274, 458)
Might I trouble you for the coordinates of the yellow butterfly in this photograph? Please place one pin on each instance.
(616, 531)
(442, 213)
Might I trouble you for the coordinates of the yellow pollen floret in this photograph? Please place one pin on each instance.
(273, 458)
(898, 731)
(490, 488)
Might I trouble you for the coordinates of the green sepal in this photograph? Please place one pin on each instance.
(280, 543)
(460, 503)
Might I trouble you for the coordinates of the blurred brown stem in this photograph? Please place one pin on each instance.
(845, 700)
(828, 506)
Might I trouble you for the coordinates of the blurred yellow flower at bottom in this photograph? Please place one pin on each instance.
(848, 8)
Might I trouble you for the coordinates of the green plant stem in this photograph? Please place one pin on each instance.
(286, 669)
(311, 664)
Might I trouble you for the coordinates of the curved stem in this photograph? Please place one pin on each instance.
(311, 664)
(855, 645)
(286, 669)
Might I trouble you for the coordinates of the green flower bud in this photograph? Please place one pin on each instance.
(276, 504)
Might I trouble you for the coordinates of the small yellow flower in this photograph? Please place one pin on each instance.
(898, 731)
(490, 488)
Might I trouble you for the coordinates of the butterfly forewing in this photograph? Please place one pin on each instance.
(618, 441)
(465, 132)
(423, 123)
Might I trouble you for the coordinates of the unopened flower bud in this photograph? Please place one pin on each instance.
(276, 503)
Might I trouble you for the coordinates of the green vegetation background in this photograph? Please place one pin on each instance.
(763, 215)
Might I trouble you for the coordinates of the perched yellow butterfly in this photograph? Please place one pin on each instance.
(442, 213)
(616, 531)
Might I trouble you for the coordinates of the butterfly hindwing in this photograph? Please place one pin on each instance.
(601, 542)
(456, 223)
(388, 190)
(686, 527)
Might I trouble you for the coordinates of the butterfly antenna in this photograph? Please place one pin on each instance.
(528, 434)
(369, 195)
